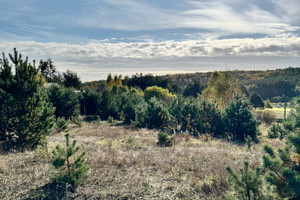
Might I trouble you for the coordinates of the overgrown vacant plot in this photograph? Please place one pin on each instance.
(126, 163)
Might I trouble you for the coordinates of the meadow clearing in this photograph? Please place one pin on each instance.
(126, 163)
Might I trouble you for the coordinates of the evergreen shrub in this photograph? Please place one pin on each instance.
(26, 115)
(164, 139)
(239, 120)
(69, 164)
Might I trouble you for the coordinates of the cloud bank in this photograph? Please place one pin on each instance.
(163, 57)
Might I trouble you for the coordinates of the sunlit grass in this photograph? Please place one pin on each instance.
(127, 163)
(279, 112)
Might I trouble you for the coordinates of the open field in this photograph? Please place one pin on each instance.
(126, 163)
(277, 112)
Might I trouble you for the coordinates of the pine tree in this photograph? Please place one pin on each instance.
(132, 99)
(239, 120)
(70, 79)
(248, 185)
(48, 70)
(66, 101)
(211, 120)
(26, 116)
(157, 114)
(293, 120)
(164, 139)
(113, 81)
(71, 169)
(284, 167)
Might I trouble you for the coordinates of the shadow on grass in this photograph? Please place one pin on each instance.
(50, 191)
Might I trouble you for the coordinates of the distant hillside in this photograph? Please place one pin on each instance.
(269, 84)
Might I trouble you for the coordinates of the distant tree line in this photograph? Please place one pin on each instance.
(275, 89)
(270, 84)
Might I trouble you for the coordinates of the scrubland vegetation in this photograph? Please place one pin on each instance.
(146, 137)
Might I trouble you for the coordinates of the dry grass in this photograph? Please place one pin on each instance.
(277, 112)
(2, 165)
(126, 163)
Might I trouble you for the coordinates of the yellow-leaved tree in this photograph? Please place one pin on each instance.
(220, 88)
(160, 93)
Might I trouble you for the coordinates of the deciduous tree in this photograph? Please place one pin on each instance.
(220, 88)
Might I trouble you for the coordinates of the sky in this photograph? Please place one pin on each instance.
(97, 37)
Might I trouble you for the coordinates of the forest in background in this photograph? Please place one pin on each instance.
(269, 84)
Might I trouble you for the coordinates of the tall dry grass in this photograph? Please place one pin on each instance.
(126, 163)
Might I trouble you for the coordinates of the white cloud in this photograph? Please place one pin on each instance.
(97, 50)
(100, 58)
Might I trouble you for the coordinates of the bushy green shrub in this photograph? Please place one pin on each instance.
(111, 102)
(26, 115)
(249, 142)
(177, 111)
(157, 114)
(249, 185)
(239, 120)
(89, 102)
(197, 116)
(202, 117)
(140, 114)
(277, 131)
(283, 167)
(70, 168)
(293, 120)
(154, 114)
(288, 124)
(62, 124)
(103, 105)
(132, 99)
(211, 120)
(66, 101)
(164, 139)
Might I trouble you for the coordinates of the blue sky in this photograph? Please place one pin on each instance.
(96, 37)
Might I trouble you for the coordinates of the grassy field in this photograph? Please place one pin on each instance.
(278, 113)
(126, 163)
